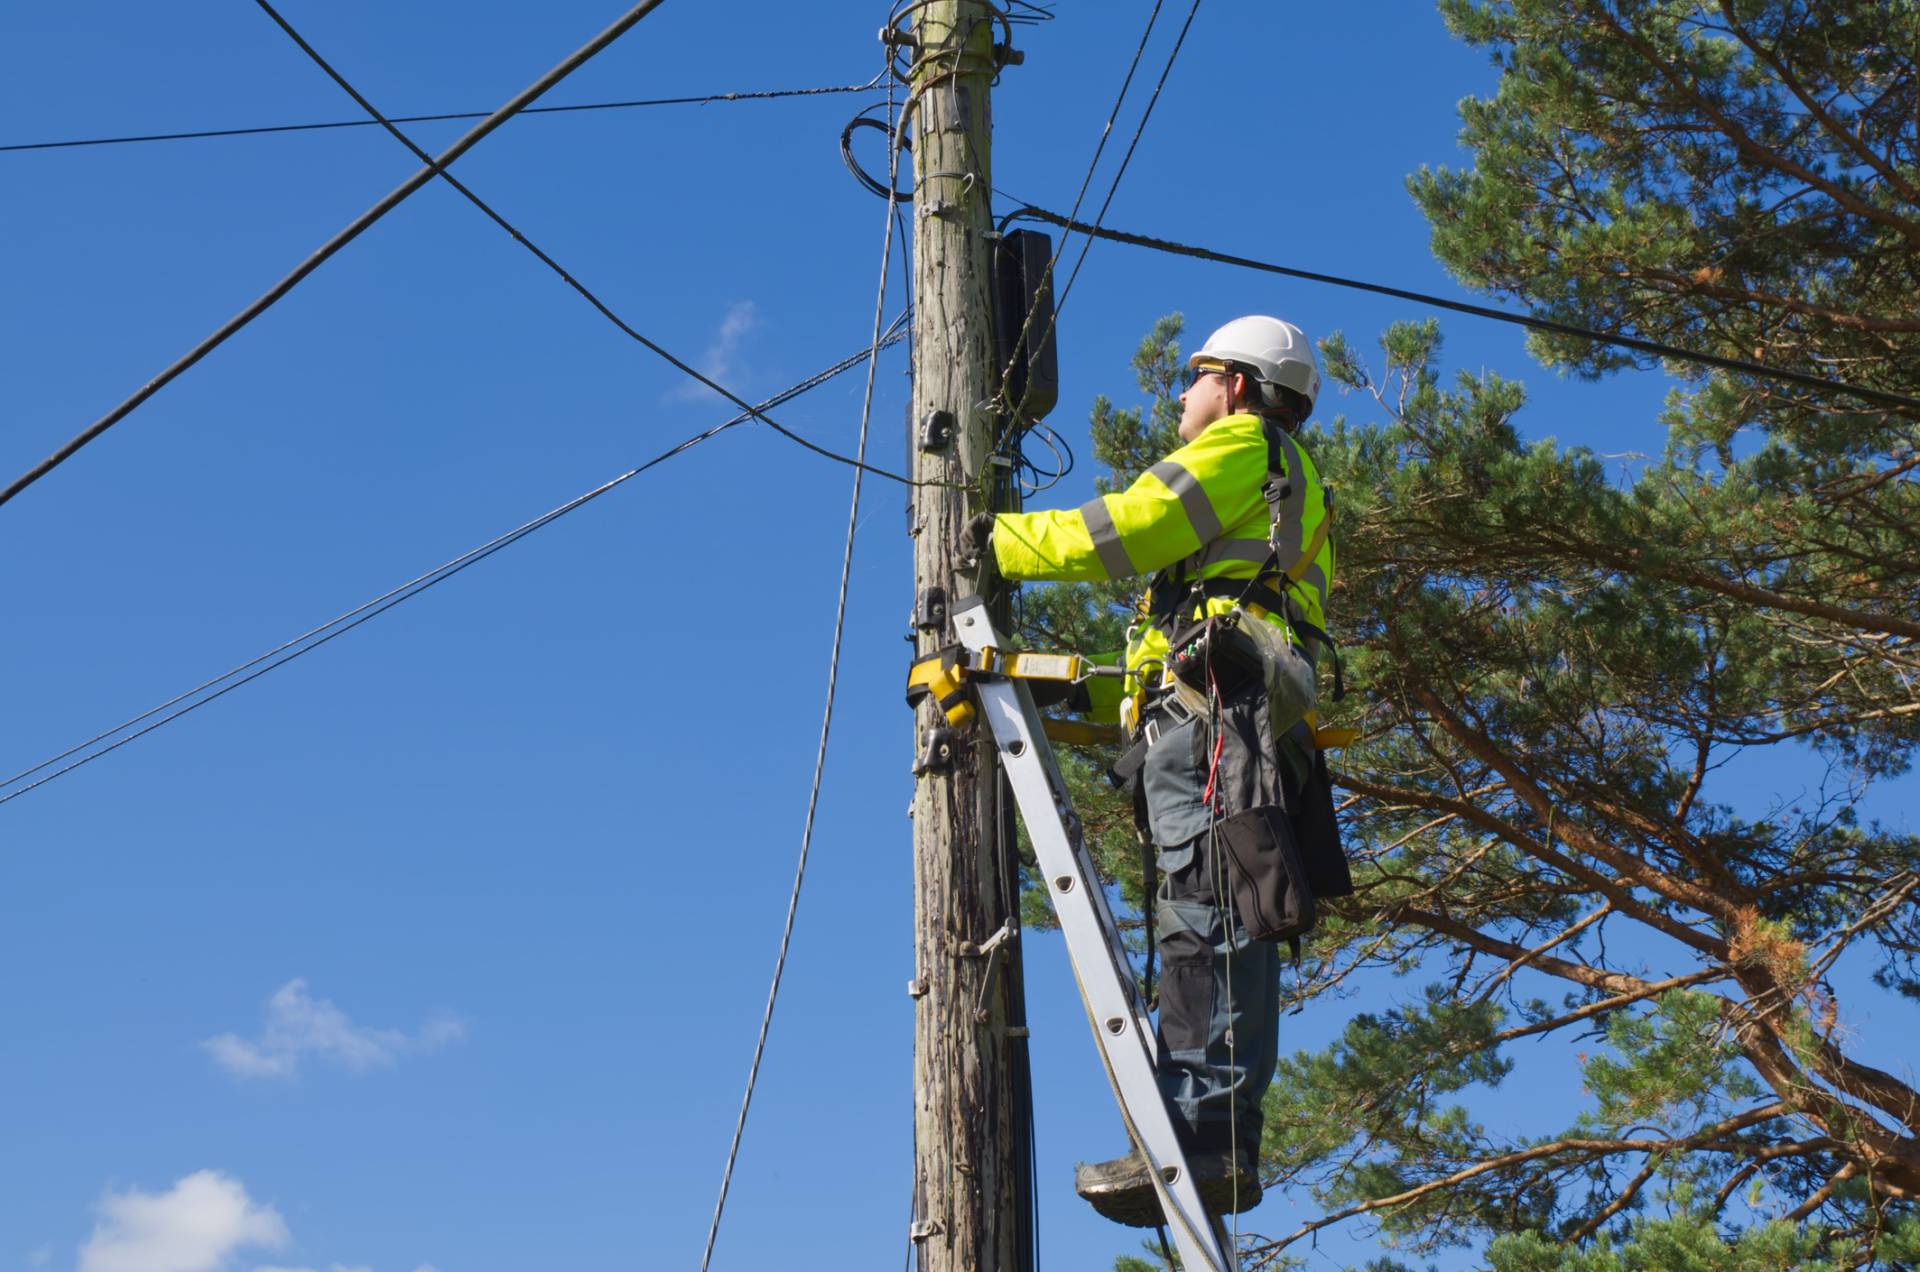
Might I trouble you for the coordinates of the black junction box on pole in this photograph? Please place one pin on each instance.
(1023, 323)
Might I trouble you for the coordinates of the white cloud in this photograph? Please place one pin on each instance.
(299, 1025)
(41, 1255)
(721, 360)
(193, 1227)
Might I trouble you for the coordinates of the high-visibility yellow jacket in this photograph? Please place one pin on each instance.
(1200, 513)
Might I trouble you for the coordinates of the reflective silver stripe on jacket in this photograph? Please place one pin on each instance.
(1290, 534)
(1254, 551)
(1106, 540)
(1193, 498)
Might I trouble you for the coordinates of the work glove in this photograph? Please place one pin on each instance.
(976, 541)
(1060, 693)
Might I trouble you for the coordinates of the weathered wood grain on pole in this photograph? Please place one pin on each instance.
(969, 1161)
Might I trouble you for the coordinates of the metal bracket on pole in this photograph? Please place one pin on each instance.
(1121, 1029)
(936, 750)
(1006, 933)
(990, 950)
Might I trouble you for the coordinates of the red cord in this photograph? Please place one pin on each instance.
(1219, 734)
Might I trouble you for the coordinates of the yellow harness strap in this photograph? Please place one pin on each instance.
(1298, 570)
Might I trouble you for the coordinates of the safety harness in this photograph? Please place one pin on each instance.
(1172, 597)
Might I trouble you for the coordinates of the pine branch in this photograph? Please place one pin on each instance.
(1589, 1148)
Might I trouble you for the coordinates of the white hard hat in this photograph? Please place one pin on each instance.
(1278, 352)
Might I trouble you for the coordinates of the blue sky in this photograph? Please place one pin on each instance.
(445, 947)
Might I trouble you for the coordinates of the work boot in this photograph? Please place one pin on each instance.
(1122, 1189)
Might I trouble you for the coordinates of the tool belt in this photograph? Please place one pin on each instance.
(1172, 598)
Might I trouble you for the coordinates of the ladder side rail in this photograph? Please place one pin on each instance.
(1101, 966)
(1073, 832)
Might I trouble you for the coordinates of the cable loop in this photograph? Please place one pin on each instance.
(902, 37)
(873, 184)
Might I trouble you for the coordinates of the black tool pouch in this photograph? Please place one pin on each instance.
(1316, 835)
(1215, 654)
(1271, 898)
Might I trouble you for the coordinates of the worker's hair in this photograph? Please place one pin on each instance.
(1289, 408)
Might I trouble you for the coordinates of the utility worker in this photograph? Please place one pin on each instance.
(1228, 516)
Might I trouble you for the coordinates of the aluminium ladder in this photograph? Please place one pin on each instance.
(1128, 1048)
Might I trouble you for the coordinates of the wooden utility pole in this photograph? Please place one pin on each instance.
(969, 1161)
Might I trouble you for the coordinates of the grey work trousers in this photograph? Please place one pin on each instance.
(1219, 1008)
(1218, 1027)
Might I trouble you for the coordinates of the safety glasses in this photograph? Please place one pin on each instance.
(1201, 370)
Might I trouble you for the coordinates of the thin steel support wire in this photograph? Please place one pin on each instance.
(564, 274)
(1106, 132)
(354, 228)
(826, 715)
(1113, 187)
(756, 96)
(306, 642)
(1899, 401)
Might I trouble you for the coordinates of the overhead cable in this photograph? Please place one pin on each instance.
(1113, 186)
(708, 99)
(1025, 12)
(1093, 164)
(285, 652)
(519, 102)
(826, 715)
(1653, 347)
(565, 275)
(1016, 438)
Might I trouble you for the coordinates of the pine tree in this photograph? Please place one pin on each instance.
(1553, 663)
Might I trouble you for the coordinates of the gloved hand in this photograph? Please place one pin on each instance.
(976, 541)
(1060, 693)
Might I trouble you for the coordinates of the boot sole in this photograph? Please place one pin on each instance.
(1139, 1207)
